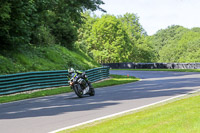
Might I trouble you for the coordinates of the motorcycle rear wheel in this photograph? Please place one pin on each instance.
(92, 92)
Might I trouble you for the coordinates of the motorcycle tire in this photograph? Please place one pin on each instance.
(92, 92)
(78, 93)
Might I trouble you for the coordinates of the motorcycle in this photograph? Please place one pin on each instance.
(80, 86)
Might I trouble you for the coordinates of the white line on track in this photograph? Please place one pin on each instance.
(119, 113)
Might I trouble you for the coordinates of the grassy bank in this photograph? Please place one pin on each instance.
(43, 58)
(173, 70)
(114, 80)
(181, 116)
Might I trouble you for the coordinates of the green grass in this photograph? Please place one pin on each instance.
(43, 58)
(181, 116)
(174, 70)
(115, 80)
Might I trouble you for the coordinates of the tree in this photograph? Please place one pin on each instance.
(84, 32)
(109, 41)
(164, 37)
(32, 21)
(15, 22)
(140, 49)
(184, 48)
(132, 26)
(114, 39)
(63, 18)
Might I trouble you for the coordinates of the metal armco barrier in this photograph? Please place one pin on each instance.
(132, 65)
(20, 82)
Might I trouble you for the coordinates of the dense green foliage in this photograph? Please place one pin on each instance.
(41, 21)
(114, 39)
(177, 44)
(122, 39)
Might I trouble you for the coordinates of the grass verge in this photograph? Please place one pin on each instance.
(115, 80)
(181, 116)
(174, 70)
(30, 58)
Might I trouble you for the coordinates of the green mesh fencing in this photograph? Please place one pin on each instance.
(20, 82)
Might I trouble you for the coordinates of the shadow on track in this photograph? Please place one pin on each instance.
(153, 85)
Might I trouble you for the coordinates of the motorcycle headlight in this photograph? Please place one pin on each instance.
(71, 83)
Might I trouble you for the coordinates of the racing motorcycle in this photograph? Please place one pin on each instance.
(80, 86)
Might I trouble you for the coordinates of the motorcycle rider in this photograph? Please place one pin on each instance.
(80, 75)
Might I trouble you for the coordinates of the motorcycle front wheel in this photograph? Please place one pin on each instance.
(78, 91)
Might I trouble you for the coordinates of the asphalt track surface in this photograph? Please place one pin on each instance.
(42, 115)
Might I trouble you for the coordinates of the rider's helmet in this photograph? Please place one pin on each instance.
(71, 70)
